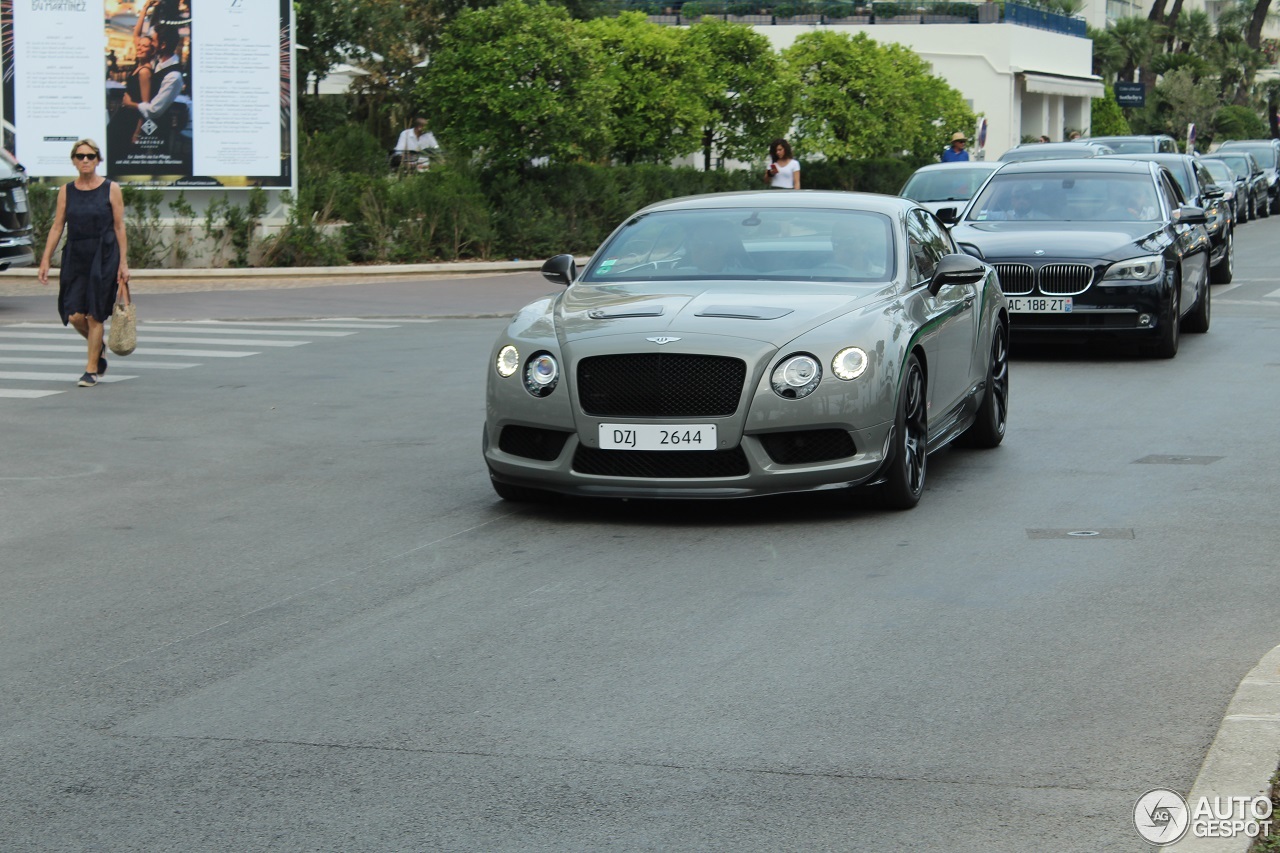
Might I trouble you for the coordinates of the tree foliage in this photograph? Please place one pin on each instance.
(657, 112)
(519, 82)
(858, 98)
(749, 95)
(1106, 117)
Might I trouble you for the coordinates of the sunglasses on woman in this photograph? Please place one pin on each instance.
(89, 156)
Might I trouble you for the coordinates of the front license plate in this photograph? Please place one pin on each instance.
(1040, 304)
(657, 437)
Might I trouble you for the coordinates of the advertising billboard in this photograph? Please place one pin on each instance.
(178, 93)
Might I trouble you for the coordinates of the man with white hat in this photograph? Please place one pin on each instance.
(956, 153)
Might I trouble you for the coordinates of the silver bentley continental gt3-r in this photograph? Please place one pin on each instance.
(743, 344)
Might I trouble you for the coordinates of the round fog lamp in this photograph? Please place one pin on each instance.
(796, 377)
(508, 361)
(849, 363)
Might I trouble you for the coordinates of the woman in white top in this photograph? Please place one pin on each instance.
(784, 170)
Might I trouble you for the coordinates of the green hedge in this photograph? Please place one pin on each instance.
(455, 211)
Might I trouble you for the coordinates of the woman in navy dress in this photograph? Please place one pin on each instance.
(95, 267)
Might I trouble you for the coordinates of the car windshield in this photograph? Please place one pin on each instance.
(778, 244)
(954, 183)
(1263, 152)
(1132, 146)
(1042, 151)
(1220, 170)
(1079, 197)
(1238, 162)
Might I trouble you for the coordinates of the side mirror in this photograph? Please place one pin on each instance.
(948, 216)
(1214, 191)
(561, 269)
(956, 269)
(1188, 215)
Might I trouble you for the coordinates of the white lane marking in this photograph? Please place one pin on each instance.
(16, 392)
(145, 328)
(363, 321)
(1275, 294)
(63, 362)
(159, 339)
(185, 353)
(23, 376)
(294, 324)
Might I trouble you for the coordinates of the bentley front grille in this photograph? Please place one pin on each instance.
(1065, 279)
(660, 385)
(1016, 279)
(661, 464)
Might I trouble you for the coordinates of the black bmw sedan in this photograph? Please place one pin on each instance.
(1093, 246)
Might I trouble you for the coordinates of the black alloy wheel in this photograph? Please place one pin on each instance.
(910, 457)
(987, 429)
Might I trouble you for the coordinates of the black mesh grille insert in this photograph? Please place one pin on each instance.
(660, 385)
(532, 442)
(814, 445)
(661, 464)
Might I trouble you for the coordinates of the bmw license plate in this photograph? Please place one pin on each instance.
(657, 436)
(1040, 304)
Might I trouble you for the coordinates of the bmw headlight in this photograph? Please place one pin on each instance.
(508, 361)
(1144, 269)
(541, 374)
(849, 363)
(796, 376)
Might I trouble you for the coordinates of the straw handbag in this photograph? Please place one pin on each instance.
(122, 339)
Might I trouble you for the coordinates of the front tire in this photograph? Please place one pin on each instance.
(1166, 345)
(988, 428)
(909, 461)
(1197, 322)
(1222, 272)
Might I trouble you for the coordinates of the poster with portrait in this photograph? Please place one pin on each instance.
(178, 93)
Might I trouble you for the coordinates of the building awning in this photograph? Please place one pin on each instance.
(1051, 84)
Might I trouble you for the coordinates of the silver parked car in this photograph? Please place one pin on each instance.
(941, 185)
(752, 343)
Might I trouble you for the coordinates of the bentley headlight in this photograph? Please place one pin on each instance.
(541, 374)
(796, 377)
(1143, 269)
(508, 361)
(849, 363)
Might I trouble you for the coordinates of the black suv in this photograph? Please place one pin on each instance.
(16, 234)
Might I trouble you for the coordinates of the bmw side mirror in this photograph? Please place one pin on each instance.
(561, 269)
(947, 216)
(1214, 191)
(1189, 215)
(956, 269)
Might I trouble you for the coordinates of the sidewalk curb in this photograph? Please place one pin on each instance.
(1244, 754)
(454, 268)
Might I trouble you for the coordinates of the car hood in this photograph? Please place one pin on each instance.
(771, 312)
(1111, 240)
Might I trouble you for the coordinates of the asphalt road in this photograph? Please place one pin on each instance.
(269, 602)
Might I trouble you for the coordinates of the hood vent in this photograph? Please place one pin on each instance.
(743, 312)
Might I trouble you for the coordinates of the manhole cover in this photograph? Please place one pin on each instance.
(1080, 533)
(1161, 459)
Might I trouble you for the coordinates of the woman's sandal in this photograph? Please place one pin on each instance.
(102, 366)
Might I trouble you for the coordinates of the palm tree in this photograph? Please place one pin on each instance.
(1133, 39)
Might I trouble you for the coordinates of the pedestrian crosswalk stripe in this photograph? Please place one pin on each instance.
(185, 353)
(1275, 294)
(289, 324)
(364, 320)
(74, 362)
(24, 376)
(26, 394)
(145, 330)
(34, 352)
(160, 339)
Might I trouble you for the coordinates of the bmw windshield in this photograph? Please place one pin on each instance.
(1079, 197)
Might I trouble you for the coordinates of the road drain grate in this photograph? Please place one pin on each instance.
(1080, 533)
(1158, 459)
